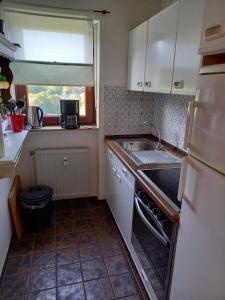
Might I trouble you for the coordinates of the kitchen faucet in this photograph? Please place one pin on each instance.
(149, 123)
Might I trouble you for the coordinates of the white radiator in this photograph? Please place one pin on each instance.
(67, 171)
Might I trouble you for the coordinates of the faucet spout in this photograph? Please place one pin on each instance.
(150, 124)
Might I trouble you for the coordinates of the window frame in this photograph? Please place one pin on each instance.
(88, 119)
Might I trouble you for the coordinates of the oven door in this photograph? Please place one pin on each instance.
(153, 248)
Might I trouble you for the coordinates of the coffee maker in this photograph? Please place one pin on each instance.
(69, 114)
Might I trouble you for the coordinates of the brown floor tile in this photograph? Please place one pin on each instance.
(63, 205)
(84, 225)
(133, 297)
(67, 256)
(14, 287)
(43, 261)
(110, 247)
(117, 265)
(123, 285)
(71, 292)
(43, 295)
(18, 265)
(44, 279)
(67, 240)
(49, 231)
(99, 289)
(86, 237)
(89, 252)
(94, 269)
(23, 247)
(64, 216)
(68, 274)
(44, 244)
(64, 227)
(80, 214)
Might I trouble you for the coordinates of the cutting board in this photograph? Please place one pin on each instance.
(14, 207)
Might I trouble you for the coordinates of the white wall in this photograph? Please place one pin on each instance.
(5, 223)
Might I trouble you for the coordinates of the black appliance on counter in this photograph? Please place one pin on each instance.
(69, 114)
(154, 234)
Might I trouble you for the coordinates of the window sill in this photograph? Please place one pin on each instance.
(59, 128)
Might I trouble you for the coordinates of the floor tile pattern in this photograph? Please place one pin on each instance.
(80, 257)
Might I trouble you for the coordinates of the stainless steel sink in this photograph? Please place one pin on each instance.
(137, 145)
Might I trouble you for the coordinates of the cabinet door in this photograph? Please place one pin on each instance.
(187, 59)
(137, 55)
(111, 186)
(213, 33)
(162, 30)
(125, 201)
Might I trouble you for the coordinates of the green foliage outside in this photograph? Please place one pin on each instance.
(48, 97)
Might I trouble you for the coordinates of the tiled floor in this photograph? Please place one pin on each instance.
(81, 256)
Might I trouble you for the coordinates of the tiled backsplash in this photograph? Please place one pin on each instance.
(125, 112)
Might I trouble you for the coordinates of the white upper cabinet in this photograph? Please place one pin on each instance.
(213, 33)
(169, 61)
(187, 59)
(162, 31)
(137, 54)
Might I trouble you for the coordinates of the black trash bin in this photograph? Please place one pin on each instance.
(36, 203)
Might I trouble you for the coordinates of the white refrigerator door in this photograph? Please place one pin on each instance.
(206, 139)
(199, 266)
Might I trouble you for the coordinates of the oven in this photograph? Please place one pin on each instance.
(153, 239)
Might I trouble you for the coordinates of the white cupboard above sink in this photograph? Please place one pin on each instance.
(162, 30)
(137, 46)
(170, 52)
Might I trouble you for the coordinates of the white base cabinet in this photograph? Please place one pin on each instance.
(120, 195)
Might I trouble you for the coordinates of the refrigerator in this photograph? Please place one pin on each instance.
(199, 265)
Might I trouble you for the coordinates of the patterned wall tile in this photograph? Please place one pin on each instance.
(125, 113)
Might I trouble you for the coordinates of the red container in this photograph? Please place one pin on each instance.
(17, 122)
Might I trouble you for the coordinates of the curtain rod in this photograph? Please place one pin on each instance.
(102, 11)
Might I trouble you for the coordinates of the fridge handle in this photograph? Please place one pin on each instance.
(189, 123)
(182, 179)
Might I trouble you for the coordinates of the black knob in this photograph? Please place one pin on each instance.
(156, 211)
(151, 205)
(160, 217)
(164, 223)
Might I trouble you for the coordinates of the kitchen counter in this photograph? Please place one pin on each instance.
(172, 213)
(13, 145)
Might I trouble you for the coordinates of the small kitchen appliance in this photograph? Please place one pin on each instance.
(69, 114)
(35, 116)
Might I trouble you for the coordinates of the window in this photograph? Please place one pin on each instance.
(48, 98)
(55, 60)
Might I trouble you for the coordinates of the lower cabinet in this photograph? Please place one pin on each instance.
(120, 195)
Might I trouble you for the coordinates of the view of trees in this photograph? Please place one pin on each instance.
(48, 97)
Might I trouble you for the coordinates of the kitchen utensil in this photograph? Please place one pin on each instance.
(35, 116)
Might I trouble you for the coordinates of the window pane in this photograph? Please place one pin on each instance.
(50, 39)
(48, 97)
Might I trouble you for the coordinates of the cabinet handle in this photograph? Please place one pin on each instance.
(114, 170)
(139, 83)
(148, 83)
(215, 32)
(118, 177)
(179, 84)
(124, 171)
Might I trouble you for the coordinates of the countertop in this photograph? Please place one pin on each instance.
(172, 213)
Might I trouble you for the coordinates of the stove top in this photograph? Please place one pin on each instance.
(167, 180)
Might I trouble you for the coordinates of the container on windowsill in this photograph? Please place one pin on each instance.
(17, 122)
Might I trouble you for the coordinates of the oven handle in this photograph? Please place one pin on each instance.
(159, 236)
